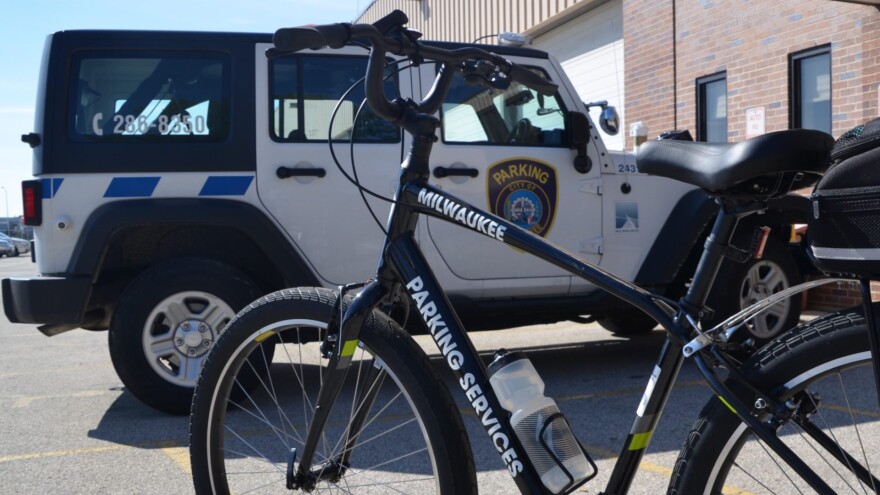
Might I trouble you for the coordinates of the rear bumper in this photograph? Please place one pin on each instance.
(47, 300)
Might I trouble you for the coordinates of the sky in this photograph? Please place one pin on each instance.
(25, 25)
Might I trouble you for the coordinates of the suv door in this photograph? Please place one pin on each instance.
(514, 143)
(321, 211)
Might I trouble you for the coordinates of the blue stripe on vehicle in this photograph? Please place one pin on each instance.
(225, 185)
(56, 185)
(50, 187)
(131, 187)
(46, 187)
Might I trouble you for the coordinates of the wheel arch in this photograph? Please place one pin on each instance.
(121, 239)
(685, 226)
(680, 242)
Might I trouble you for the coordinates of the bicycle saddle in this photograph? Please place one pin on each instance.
(718, 167)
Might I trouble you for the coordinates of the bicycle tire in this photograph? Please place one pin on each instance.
(720, 454)
(229, 438)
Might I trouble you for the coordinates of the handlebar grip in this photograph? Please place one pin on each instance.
(394, 19)
(314, 37)
(298, 38)
(533, 81)
(335, 35)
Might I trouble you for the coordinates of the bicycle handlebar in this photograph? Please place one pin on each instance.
(315, 37)
(384, 38)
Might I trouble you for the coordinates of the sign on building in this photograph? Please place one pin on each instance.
(754, 122)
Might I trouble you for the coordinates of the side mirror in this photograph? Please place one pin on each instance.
(610, 121)
(578, 137)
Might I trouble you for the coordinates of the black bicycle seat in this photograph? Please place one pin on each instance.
(717, 167)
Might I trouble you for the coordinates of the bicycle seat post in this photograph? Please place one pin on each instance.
(714, 251)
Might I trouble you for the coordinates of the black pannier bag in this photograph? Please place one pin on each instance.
(844, 227)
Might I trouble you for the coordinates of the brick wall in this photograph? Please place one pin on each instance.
(648, 73)
(751, 40)
(839, 295)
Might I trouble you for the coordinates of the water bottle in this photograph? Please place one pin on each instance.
(535, 417)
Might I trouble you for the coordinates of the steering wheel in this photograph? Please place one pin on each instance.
(522, 129)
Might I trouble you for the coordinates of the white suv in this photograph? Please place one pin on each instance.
(181, 175)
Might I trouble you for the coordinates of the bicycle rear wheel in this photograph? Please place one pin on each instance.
(412, 441)
(823, 365)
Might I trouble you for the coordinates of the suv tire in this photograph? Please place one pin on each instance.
(738, 285)
(165, 323)
(629, 322)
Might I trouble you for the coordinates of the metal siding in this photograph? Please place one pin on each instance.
(590, 49)
(465, 20)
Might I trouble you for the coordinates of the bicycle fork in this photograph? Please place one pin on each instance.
(347, 339)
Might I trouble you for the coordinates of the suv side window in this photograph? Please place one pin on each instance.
(515, 116)
(305, 91)
(167, 96)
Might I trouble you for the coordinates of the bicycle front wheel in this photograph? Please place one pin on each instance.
(243, 438)
(823, 371)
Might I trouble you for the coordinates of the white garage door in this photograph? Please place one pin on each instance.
(590, 49)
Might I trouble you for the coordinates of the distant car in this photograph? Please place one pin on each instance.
(6, 248)
(17, 245)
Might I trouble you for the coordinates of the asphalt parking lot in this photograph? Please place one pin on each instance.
(69, 426)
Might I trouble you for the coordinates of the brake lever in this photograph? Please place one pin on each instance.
(476, 80)
(484, 73)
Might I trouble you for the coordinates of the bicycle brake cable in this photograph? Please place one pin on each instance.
(354, 164)
(355, 180)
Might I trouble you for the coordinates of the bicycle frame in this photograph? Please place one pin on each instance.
(402, 267)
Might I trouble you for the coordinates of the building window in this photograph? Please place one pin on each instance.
(810, 88)
(712, 108)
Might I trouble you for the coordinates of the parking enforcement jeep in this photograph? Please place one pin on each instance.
(178, 176)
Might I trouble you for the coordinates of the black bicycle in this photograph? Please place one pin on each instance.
(314, 390)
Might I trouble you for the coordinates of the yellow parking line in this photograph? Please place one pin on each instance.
(62, 453)
(179, 454)
(624, 391)
(663, 471)
(857, 412)
(729, 490)
(47, 371)
(19, 402)
(172, 446)
(644, 465)
(178, 451)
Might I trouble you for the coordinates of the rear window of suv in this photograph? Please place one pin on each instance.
(149, 96)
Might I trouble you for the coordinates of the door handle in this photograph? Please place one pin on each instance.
(441, 172)
(285, 172)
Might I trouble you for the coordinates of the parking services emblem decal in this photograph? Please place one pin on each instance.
(523, 191)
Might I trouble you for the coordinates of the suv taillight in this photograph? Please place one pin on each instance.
(32, 196)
